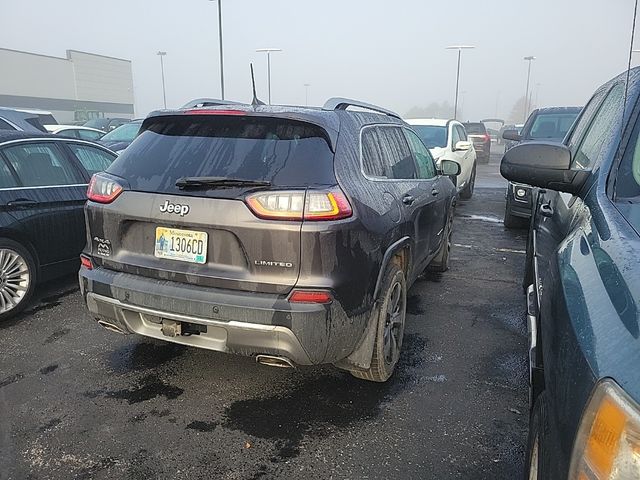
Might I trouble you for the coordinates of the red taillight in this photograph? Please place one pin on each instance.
(86, 262)
(215, 112)
(103, 189)
(315, 205)
(310, 296)
(487, 138)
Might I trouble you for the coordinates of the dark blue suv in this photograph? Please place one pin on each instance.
(584, 276)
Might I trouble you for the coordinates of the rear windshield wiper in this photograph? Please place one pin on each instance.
(219, 182)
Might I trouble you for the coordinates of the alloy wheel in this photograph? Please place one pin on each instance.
(394, 323)
(14, 279)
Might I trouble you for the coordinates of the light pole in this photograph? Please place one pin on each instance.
(306, 93)
(164, 91)
(529, 59)
(537, 92)
(459, 48)
(220, 45)
(462, 94)
(268, 51)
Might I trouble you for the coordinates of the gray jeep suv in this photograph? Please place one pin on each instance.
(290, 234)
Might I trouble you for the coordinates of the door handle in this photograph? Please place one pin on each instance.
(435, 192)
(408, 199)
(21, 202)
(546, 210)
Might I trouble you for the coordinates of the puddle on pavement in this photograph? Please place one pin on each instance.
(143, 354)
(318, 405)
(148, 387)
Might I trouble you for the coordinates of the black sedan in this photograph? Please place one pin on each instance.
(43, 183)
(584, 293)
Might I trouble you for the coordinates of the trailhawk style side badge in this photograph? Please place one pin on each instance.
(168, 207)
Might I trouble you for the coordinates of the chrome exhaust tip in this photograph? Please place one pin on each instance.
(110, 326)
(274, 361)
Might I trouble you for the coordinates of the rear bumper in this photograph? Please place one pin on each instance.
(244, 323)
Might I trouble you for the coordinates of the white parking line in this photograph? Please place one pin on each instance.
(510, 250)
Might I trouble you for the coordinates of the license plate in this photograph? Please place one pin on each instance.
(182, 245)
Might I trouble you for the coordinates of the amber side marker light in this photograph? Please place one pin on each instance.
(607, 446)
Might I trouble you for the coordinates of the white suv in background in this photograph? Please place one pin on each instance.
(447, 140)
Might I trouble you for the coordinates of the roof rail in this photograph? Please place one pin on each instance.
(208, 102)
(338, 103)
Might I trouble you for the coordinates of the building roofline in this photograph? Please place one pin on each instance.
(97, 55)
(68, 57)
(32, 53)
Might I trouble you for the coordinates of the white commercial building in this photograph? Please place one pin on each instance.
(79, 87)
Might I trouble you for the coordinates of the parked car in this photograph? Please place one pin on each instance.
(550, 124)
(72, 131)
(477, 133)
(16, 120)
(511, 143)
(43, 183)
(584, 293)
(447, 140)
(120, 138)
(288, 233)
(45, 117)
(106, 124)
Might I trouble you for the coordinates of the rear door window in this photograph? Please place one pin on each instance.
(373, 164)
(68, 133)
(93, 159)
(398, 155)
(88, 134)
(286, 153)
(42, 164)
(7, 178)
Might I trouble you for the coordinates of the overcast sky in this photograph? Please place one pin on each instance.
(387, 52)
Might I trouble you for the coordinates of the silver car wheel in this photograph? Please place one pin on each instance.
(14, 279)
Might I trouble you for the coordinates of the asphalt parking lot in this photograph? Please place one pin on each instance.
(77, 401)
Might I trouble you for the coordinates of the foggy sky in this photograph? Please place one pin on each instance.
(384, 52)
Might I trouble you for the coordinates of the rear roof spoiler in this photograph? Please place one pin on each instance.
(338, 103)
(208, 102)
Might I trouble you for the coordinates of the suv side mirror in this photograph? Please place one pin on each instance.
(462, 145)
(511, 135)
(544, 165)
(449, 167)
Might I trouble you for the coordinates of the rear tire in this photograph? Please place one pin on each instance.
(467, 191)
(18, 275)
(440, 263)
(389, 319)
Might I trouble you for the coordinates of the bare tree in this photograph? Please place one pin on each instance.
(433, 110)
